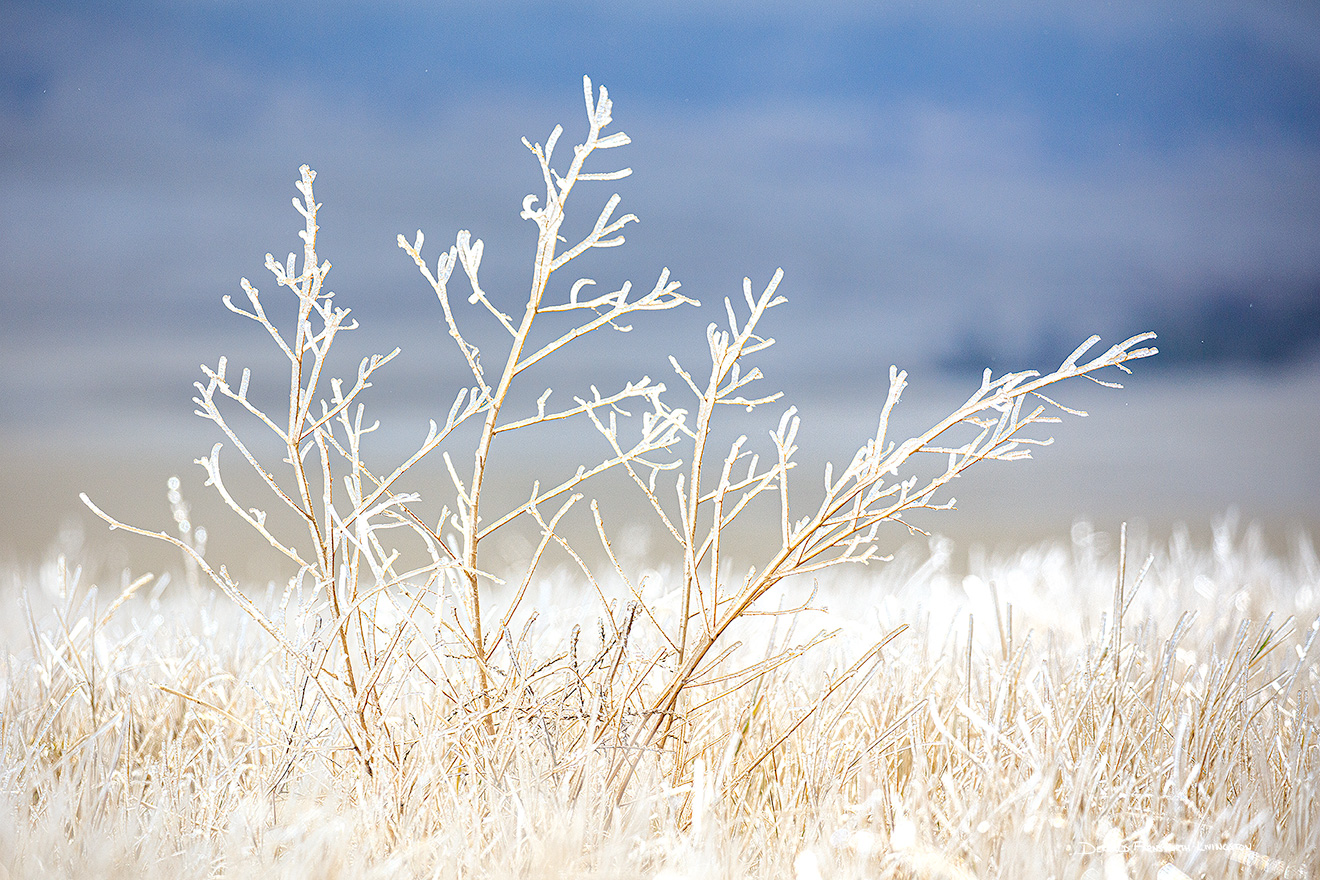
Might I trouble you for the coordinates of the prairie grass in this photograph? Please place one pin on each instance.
(1009, 730)
(427, 696)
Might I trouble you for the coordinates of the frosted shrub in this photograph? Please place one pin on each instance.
(401, 655)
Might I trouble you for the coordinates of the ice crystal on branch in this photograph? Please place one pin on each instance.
(371, 620)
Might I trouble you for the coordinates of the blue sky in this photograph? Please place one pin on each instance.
(1055, 167)
(946, 185)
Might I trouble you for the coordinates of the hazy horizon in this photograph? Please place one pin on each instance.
(946, 188)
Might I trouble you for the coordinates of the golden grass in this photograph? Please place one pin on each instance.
(1009, 731)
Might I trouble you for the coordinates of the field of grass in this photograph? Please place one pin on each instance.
(1007, 728)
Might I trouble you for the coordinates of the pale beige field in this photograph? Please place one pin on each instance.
(1010, 730)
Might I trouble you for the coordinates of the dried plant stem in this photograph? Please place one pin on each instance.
(382, 597)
